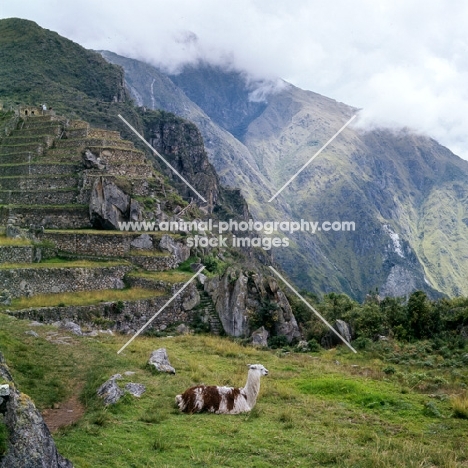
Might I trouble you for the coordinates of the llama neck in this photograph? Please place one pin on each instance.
(252, 387)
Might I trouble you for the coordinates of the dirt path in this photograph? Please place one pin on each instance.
(67, 413)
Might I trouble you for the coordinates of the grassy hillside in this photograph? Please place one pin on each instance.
(384, 407)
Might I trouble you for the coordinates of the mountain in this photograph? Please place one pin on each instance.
(405, 192)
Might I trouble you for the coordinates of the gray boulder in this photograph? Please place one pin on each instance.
(135, 389)
(182, 329)
(260, 337)
(110, 392)
(179, 250)
(143, 242)
(136, 212)
(160, 361)
(5, 297)
(30, 444)
(91, 161)
(71, 327)
(330, 339)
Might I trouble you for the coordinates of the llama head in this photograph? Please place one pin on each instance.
(258, 368)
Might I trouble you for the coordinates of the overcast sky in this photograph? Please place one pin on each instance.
(405, 62)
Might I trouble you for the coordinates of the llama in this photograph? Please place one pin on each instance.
(223, 400)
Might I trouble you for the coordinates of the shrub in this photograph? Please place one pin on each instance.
(279, 341)
(314, 345)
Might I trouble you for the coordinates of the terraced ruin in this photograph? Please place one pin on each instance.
(64, 186)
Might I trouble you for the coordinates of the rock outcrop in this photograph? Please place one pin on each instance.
(239, 296)
(30, 443)
(109, 205)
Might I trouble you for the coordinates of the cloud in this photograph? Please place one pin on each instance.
(405, 62)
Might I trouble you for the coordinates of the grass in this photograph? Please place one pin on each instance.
(311, 410)
(169, 276)
(15, 242)
(81, 298)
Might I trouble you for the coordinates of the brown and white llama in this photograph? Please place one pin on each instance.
(223, 400)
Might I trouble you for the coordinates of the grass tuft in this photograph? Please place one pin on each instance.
(460, 406)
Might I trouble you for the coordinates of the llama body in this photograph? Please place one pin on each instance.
(223, 400)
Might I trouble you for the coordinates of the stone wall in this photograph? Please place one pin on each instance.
(36, 148)
(155, 263)
(101, 133)
(124, 316)
(39, 183)
(40, 169)
(74, 218)
(16, 158)
(16, 254)
(118, 155)
(103, 244)
(32, 281)
(44, 197)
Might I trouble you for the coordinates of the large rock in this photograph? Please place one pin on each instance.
(143, 242)
(260, 337)
(110, 392)
(160, 361)
(229, 295)
(135, 389)
(91, 161)
(109, 205)
(179, 250)
(71, 327)
(30, 444)
(238, 295)
(330, 339)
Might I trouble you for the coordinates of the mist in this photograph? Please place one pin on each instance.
(404, 63)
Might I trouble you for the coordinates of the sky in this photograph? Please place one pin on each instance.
(403, 62)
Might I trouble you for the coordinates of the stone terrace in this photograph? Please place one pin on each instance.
(49, 167)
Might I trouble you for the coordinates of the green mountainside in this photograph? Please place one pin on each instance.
(405, 192)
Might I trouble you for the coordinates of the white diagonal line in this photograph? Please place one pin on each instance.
(160, 157)
(160, 310)
(313, 310)
(312, 158)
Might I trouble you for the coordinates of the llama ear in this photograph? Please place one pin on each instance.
(249, 365)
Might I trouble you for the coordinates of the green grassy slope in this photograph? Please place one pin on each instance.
(323, 409)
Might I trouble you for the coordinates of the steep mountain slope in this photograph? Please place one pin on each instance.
(232, 160)
(404, 192)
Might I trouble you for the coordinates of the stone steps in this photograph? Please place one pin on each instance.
(45, 182)
(206, 304)
(39, 169)
(52, 217)
(38, 197)
(47, 278)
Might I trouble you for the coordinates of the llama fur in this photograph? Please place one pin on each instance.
(223, 400)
